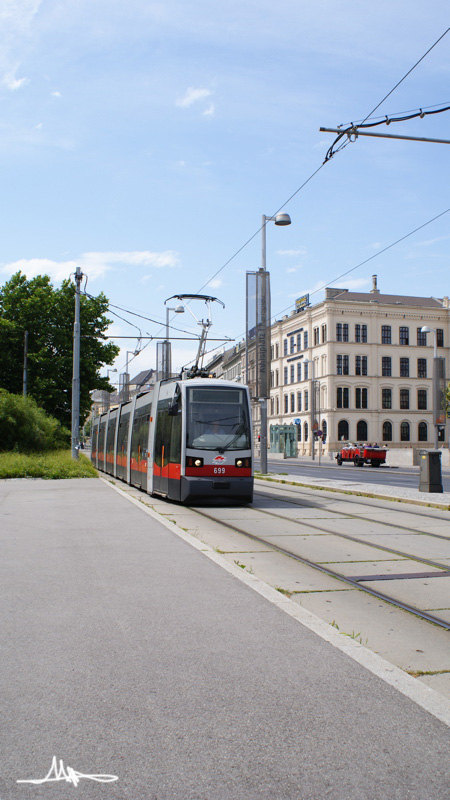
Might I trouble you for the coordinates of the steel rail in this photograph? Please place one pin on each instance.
(332, 573)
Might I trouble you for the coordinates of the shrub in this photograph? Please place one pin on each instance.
(26, 428)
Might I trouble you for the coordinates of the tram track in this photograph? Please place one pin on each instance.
(356, 582)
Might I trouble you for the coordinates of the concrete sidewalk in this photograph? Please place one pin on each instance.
(128, 652)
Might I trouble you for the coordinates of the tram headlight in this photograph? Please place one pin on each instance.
(243, 462)
(194, 462)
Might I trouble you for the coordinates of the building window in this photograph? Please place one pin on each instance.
(316, 335)
(299, 342)
(360, 333)
(324, 334)
(440, 337)
(299, 401)
(421, 338)
(403, 335)
(386, 398)
(421, 368)
(404, 398)
(271, 352)
(324, 430)
(306, 400)
(342, 365)
(272, 406)
(285, 347)
(361, 431)
(277, 377)
(305, 431)
(292, 373)
(292, 344)
(285, 375)
(360, 365)
(277, 351)
(422, 430)
(343, 430)
(299, 433)
(277, 404)
(387, 431)
(422, 399)
(404, 367)
(386, 336)
(342, 332)
(342, 397)
(305, 340)
(299, 371)
(386, 366)
(361, 398)
(292, 403)
(405, 432)
(286, 403)
(271, 379)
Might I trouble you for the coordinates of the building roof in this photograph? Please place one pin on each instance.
(142, 378)
(343, 295)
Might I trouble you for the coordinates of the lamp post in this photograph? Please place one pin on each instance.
(436, 398)
(167, 352)
(278, 219)
(127, 377)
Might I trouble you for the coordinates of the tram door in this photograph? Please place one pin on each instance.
(162, 448)
(166, 463)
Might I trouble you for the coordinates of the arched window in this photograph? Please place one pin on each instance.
(404, 431)
(277, 401)
(324, 430)
(361, 430)
(387, 431)
(299, 432)
(423, 432)
(305, 431)
(343, 431)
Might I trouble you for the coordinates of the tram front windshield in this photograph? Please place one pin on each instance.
(217, 419)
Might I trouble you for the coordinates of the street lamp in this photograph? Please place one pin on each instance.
(278, 219)
(167, 352)
(127, 377)
(436, 397)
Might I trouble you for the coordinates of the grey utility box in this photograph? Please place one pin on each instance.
(430, 471)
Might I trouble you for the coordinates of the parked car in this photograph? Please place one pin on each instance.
(362, 454)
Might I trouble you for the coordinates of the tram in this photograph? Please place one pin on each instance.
(186, 439)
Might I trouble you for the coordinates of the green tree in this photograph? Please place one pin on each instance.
(48, 316)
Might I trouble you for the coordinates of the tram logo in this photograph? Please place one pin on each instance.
(219, 460)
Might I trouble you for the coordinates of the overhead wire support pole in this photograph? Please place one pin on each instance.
(76, 368)
(357, 132)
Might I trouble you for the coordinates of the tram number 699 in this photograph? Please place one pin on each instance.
(219, 470)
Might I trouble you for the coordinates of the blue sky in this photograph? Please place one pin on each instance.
(143, 141)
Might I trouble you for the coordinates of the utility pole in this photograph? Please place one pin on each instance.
(25, 365)
(76, 369)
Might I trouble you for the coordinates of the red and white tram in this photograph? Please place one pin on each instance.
(187, 440)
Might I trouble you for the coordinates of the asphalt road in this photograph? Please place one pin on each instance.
(383, 476)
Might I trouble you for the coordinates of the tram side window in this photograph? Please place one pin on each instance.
(122, 441)
(162, 431)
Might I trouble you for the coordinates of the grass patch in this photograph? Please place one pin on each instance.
(50, 465)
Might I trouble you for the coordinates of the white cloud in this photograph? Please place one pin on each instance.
(94, 264)
(56, 94)
(12, 83)
(192, 96)
(300, 252)
(216, 283)
(209, 112)
(292, 269)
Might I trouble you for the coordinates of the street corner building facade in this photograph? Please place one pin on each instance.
(356, 367)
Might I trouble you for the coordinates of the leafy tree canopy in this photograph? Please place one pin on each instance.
(48, 316)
